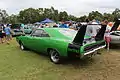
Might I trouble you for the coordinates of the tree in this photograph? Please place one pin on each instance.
(55, 14)
(95, 15)
(116, 13)
(29, 15)
(32, 15)
(13, 19)
(108, 16)
(82, 18)
(51, 13)
(71, 17)
(63, 16)
(47, 13)
(41, 13)
(3, 16)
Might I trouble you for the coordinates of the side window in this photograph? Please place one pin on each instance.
(44, 34)
(40, 33)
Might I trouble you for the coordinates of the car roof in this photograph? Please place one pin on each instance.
(54, 32)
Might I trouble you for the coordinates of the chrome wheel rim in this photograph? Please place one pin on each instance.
(54, 56)
(22, 47)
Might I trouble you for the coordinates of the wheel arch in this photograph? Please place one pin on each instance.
(19, 41)
(58, 50)
(48, 50)
(60, 46)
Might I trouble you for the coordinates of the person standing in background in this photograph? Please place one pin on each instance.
(63, 25)
(107, 35)
(78, 26)
(87, 20)
(1, 36)
(8, 33)
(74, 25)
(71, 26)
(3, 33)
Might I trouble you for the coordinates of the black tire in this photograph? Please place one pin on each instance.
(54, 56)
(22, 47)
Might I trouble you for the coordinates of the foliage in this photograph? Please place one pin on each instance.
(82, 18)
(63, 16)
(3, 16)
(12, 19)
(29, 15)
(108, 16)
(32, 15)
(95, 15)
(71, 17)
(116, 13)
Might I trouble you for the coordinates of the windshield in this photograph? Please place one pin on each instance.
(68, 32)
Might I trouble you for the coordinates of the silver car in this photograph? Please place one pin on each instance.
(115, 37)
(114, 34)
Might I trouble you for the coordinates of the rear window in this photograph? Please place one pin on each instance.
(68, 32)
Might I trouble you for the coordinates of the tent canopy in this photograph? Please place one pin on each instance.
(47, 21)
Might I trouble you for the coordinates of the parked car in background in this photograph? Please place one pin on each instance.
(115, 34)
(62, 42)
(115, 37)
(17, 29)
(27, 29)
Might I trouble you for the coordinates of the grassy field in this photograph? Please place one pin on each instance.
(16, 64)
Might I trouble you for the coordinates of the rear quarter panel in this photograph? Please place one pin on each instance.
(60, 45)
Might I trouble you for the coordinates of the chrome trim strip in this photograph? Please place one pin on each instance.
(94, 50)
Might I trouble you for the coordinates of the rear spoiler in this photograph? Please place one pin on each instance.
(80, 35)
(116, 25)
(100, 34)
(79, 38)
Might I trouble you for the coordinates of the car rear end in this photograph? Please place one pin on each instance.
(82, 46)
(91, 48)
(75, 50)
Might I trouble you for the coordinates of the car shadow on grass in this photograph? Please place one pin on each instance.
(75, 62)
(80, 62)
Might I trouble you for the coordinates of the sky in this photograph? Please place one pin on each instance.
(73, 7)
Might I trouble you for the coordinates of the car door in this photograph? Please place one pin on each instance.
(38, 40)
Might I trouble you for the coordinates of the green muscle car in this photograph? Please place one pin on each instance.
(62, 42)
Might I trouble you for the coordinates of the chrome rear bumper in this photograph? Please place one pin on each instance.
(94, 50)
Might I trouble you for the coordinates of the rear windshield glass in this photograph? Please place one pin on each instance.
(68, 32)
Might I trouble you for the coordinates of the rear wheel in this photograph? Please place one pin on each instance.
(54, 56)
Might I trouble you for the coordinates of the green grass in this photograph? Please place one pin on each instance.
(16, 64)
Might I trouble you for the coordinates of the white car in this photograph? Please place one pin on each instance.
(115, 37)
(114, 34)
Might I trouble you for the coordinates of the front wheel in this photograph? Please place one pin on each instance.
(22, 47)
(54, 56)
